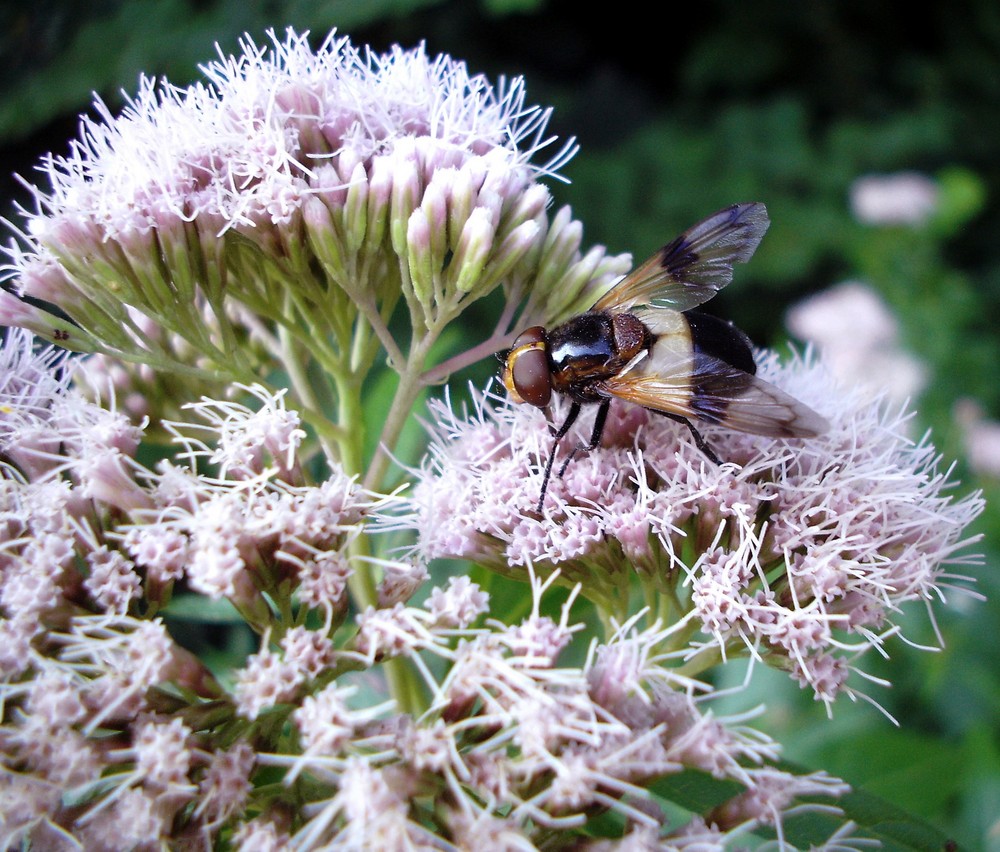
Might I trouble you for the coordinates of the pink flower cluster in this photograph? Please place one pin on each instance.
(296, 190)
(114, 734)
(798, 553)
(510, 731)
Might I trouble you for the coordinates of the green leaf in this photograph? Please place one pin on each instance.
(204, 610)
(896, 829)
(696, 791)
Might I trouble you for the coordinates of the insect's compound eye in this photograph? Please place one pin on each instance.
(527, 375)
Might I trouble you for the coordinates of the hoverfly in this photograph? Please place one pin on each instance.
(643, 342)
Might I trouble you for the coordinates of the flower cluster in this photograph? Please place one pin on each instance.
(903, 198)
(510, 731)
(100, 699)
(282, 210)
(797, 553)
(211, 245)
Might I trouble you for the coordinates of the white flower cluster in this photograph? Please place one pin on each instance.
(292, 192)
(797, 553)
(99, 698)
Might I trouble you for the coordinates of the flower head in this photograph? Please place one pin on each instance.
(293, 192)
(798, 553)
(858, 338)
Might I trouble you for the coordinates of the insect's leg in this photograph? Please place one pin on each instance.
(574, 412)
(595, 435)
(699, 441)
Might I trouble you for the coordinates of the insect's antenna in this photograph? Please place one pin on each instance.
(574, 411)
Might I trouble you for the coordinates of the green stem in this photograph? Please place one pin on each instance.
(407, 391)
(367, 307)
(350, 451)
(298, 375)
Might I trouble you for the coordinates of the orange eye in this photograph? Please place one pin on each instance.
(527, 374)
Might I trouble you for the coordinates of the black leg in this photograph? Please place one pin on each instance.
(595, 435)
(574, 412)
(699, 441)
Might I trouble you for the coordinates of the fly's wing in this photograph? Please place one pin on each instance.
(700, 387)
(695, 266)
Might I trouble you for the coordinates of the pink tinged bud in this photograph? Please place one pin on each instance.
(434, 208)
(323, 238)
(420, 258)
(405, 192)
(356, 209)
(561, 244)
(464, 197)
(347, 163)
(492, 203)
(514, 247)
(579, 275)
(379, 197)
(531, 203)
(20, 314)
(46, 280)
(474, 247)
(55, 330)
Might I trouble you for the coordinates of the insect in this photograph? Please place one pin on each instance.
(644, 342)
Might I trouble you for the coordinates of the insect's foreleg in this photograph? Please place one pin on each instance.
(595, 436)
(574, 412)
(699, 441)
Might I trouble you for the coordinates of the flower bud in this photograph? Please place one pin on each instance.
(323, 238)
(473, 249)
(355, 209)
(420, 258)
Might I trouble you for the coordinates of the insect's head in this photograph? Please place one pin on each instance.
(527, 374)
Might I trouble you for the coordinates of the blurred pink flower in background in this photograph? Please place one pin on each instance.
(903, 198)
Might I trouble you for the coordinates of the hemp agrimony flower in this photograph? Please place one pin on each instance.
(230, 257)
(798, 554)
(284, 211)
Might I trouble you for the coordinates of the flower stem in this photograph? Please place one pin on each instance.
(440, 372)
(407, 391)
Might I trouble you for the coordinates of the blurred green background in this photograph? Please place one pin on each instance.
(677, 115)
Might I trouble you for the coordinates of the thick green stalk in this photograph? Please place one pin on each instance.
(407, 392)
(350, 447)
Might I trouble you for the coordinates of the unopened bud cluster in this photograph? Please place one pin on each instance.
(286, 207)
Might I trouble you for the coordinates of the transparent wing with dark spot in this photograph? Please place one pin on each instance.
(695, 266)
(710, 390)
